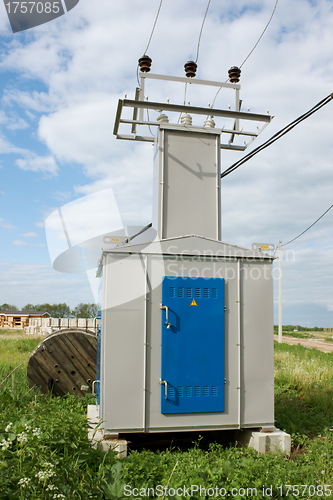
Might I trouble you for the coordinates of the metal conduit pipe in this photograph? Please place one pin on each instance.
(239, 344)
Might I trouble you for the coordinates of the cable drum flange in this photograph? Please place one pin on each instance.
(64, 362)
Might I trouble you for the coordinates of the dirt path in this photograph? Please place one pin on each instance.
(322, 345)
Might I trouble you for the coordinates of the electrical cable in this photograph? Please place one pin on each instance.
(250, 51)
(278, 135)
(148, 123)
(151, 35)
(145, 52)
(307, 229)
(262, 34)
(202, 25)
(152, 31)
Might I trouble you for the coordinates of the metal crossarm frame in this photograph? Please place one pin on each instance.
(139, 105)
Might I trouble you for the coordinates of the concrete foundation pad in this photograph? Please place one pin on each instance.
(264, 441)
(97, 437)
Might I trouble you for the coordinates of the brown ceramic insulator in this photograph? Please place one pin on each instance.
(234, 74)
(145, 64)
(190, 69)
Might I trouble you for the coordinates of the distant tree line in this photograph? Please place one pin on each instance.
(58, 310)
(291, 328)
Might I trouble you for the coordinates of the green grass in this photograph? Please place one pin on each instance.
(45, 453)
(308, 334)
(303, 390)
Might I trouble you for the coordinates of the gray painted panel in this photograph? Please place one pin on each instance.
(189, 180)
(123, 335)
(258, 342)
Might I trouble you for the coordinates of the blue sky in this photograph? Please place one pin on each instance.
(59, 88)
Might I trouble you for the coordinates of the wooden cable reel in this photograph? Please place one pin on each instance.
(64, 363)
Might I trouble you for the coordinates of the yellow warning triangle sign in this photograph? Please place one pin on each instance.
(193, 303)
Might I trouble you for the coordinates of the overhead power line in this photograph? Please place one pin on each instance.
(277, 136)
(246, 58)
(151, 35)
(202, 25)
(152, 31)
(262, 34)
(307, 229)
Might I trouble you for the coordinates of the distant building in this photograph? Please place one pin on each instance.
(19, 319)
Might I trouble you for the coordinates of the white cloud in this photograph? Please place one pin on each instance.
(73, 224)
(37, 284)
(17, 123)
(6, 147)
(3, 117)
(12, 121)
(62, 196)
(5, 224)
(19, 243)
(36, 101)
(81, 132)
(44, 164)
(29, 235)
(22, 243)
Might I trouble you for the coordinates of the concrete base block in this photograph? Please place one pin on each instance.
(99, 439)
(266, 441)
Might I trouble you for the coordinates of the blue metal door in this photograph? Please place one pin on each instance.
(192, 378)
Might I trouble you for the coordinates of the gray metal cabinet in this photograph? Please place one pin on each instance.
(133, 395)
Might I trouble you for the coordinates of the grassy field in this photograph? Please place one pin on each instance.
(45, 453)
(328, 336)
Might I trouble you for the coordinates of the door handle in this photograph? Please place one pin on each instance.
(165, 383)
(166, 315)
(93, 390)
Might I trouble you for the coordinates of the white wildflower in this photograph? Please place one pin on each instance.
(48, 464)
(45, 474)
(24, 482)
(59, 495)
(323, 472)
(42, 475)
(27, 427)
(51, 487)
(5, 444)
(9, 427)
(37, 432)
(22, 438)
